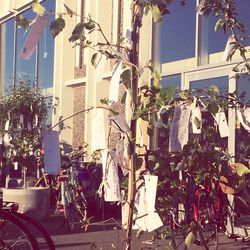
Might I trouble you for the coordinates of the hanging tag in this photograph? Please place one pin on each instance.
(29, 126)
(196, 120)
(229, 48)
(21, 119)
(114, 84)
(221, 120)
(36, 120)
(153, 220)
(15, 165)
(7, 124)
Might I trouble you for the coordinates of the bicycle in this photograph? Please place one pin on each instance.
(38, 231)
(71, 200)
(14, 234)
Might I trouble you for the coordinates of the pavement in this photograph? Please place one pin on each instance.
(107, 235)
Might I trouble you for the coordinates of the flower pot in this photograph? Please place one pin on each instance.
(33, 201)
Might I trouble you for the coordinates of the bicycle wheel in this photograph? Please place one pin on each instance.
(42, 236)
(81, 207)
(208, 228)
(14, 234)
(177, 229)
(69, 214)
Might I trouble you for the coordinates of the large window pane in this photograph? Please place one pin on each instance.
(25, 69)
(172, 80)
(7, 51)
(177, 33)
(46, 52)
(216, 41)
(220, 82)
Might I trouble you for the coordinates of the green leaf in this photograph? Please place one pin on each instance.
(22, 22)
(94, 59)
(69, 11)
(76, 34)
(197, 123)
(89, 25)
(157, 78)
(213, 108)
(57, 26)
(139, 233)
(183, 94)
(146, 10)
(167, 93)
(104, 101)
(189, 239)
(241, 169)
(214, 89)
(218, 24)
(123, 99)
(126, 78)
(156, 13)
(38, 9)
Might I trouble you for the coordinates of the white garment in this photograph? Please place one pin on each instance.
(179, 127)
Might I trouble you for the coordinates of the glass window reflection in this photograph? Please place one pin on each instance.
(177, 33)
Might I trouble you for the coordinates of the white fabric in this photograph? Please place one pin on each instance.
(33, 37)
(122, 154)
(119, 123)
(98, 130)
(100, 68)
(110, 174)
(52, 158)
(243, 116)
(148, 218)
(179, 127)
(221, 120)
(114, 84)
(196, 114)
(228, 49)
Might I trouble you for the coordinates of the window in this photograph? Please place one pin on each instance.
(46, 52)
(242, 147)
(220, 82)
(214, 42)
(7, 53)
(177, 33)
(17, 69)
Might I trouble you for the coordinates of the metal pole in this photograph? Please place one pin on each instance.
(14, 57)
(37, 69)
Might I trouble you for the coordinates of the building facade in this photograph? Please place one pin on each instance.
(184, 47)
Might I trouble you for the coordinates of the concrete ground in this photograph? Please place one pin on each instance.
(109, 236)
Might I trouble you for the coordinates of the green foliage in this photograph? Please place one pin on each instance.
(29, 104)
(218, 25)
(76, 33)
(22, 22)
(38, 9)
(90, 25)
(69, 11)
(189, 239)
(57, 26)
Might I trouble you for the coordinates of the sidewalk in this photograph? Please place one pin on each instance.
(108, 237)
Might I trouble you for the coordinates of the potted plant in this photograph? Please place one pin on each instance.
(21, 122)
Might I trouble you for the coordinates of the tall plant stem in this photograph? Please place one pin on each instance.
(137, 11)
